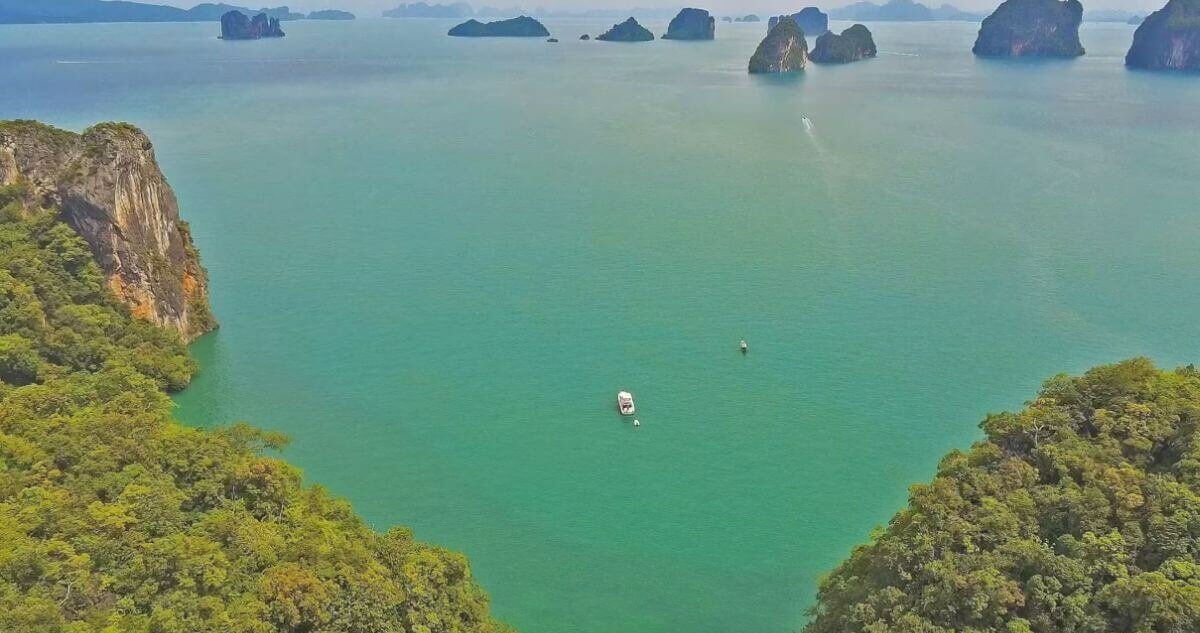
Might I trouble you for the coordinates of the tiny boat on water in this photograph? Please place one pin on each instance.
(625, 403)
(745, 347)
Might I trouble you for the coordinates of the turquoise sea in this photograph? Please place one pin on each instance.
(437, 260)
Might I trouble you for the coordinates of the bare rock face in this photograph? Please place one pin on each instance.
(108, 187)
(1032, 28)
(1169, 39)
(783, 51)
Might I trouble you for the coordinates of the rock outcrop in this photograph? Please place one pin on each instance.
(236, 26)
(523, 26)
(1032, 28)
(784, 50)
(627, 31)
(853, 44)
(1168, 39)
(811, 20)
(107, 185)
(748, 18)
(692, 24)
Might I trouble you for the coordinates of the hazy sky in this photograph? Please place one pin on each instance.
(721, 7)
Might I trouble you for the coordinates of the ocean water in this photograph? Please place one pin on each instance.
(437, 260)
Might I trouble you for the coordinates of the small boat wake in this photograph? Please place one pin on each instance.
(827, 172)
(807, 124)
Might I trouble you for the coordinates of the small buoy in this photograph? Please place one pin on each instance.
(637, 422)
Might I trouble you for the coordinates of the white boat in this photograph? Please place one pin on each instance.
(625, 403)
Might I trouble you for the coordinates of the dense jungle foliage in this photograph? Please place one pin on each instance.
(115, 518)
(1079, 514)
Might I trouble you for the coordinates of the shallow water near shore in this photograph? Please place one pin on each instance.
(437, 260)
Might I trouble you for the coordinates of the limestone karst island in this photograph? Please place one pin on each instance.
(362, 316)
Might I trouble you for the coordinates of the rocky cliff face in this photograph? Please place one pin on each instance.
(236, 26)
(853, 44)
(783, 51)
(811, 20)
(692, 24)
(1032, 28)
(1169, 39)
(627, 31)
(108, 187)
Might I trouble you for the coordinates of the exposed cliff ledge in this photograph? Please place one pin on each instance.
(1032, 28)
(1169, 39)
(109, 188)
(783, 51)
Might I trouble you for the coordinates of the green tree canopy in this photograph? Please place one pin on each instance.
(114, 518)
(1079, 514)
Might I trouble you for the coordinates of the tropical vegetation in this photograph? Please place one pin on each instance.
(1078, 514)
(115, 518)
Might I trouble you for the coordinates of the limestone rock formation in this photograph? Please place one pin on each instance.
(1032, 28)
(627, 31)
(692, 24)
(811, 20)
(783, 51)
(236, 26)
(108, 187)
(1168, 39)
(331, 14)
(523, 26)
(853, 44)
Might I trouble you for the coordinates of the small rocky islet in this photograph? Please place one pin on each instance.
(627, 31)
(1032, 28)
(853, 44)
(692, 24)
(1168, 39)
(784, 50)
(812, 21)
(235, 25)
(331, 15)
(523, 26)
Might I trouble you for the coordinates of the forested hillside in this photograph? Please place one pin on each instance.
(1079, 514)
(115, 518)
